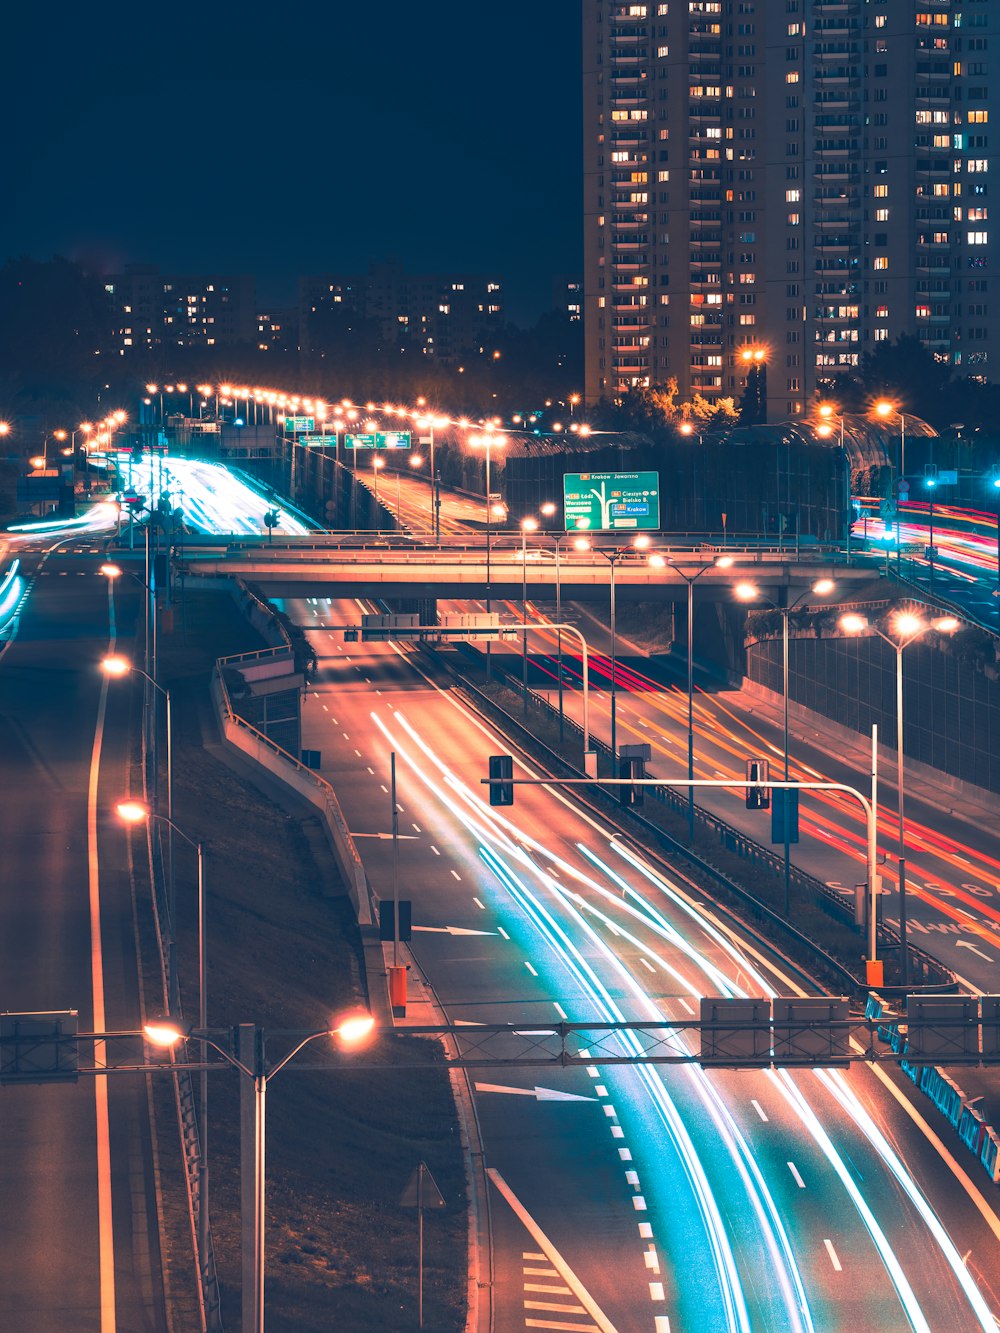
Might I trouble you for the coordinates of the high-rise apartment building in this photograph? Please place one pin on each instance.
(799, 179)
(154, 309)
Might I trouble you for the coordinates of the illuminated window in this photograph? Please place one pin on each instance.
(881, 215)
(881, 262)
(881, 191)
(978, 238)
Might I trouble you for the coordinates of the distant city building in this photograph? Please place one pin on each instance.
(278, 331)
(445, 317)
(802, 180)
(154, 309)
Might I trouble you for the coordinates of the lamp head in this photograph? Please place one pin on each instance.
(747, 592)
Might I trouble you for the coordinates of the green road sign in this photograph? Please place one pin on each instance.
(300, 425)
(313, 440)
(611, 501)
(389, 439)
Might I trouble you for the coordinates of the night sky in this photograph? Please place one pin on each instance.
(297, 138)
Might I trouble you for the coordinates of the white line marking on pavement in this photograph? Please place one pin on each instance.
(475, 900)
(795, 1175)
(601, 1322)
(435, 850)
(759, 1109)
(531, 969)
(501, 930)
(560, 1011)
(457, 876)
(838, 1267)
(415, 827)
(106, 1242)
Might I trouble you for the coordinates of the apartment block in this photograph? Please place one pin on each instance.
(796, 180)
(447, 317)
(154, 309)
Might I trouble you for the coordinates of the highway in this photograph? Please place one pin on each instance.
(953, 854)
(711, 1201)
(79, 1242)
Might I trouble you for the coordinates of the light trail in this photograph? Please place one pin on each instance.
(520, 849)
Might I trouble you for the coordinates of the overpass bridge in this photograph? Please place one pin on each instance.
(335, 567)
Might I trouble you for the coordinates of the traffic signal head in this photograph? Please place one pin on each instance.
(758, 797)
(501, 779)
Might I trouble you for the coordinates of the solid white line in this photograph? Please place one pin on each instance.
(838, 1267)
(555, 1258)
(106, 1242)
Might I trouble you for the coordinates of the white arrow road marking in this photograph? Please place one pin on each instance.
(453, 930)
(539, 1094)
(964, 944)
(387, 837)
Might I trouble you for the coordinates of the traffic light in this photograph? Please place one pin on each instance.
(501, 779)
(758, 797)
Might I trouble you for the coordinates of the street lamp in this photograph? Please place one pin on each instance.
(578, 544)
(117, 666)
(527, 525)
(884, 409)
(488, 440)
(907, 628)
(612, 556)
(352, 1030)
(748, 592)
(723, 562)
(137, 812)
(377, 465)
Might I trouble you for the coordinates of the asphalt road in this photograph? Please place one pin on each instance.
(677, 1198)
(953, 844)
(79, 1246)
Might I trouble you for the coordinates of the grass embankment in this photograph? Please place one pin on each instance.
(284, 952)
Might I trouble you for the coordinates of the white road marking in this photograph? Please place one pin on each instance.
(456, 875)
(435, 850)
(531, 969)
(371, 771)
(324, 707)
(601, 1323)
(759, 1109)
(645, 1231)
(647, 964)
(560, 1011)
(632, 1178)
(638, 1203)
(795, 1175)
(502, 932)
(475, 900)
(684, 1005)
(661, 1323)
(656, 1291)
(384, 788)
(358, 753)
(106, 1244)
(838, 1267)
(651, 1260)
(415, 827)
(625, 1154)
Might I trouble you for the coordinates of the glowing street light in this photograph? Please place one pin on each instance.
(906, 629)
(348, 1031)
(748, 592)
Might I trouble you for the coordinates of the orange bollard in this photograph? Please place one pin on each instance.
(397, 991)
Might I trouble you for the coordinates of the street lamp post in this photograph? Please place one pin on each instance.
(828, 413)
(748, 592)
(907, 628)
(579, 544)
(613, 556)
(488, 439)
(723, 562)
(352, 1030)
(885, 409)
(527, 525)
(377, 463)
(134, 812)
